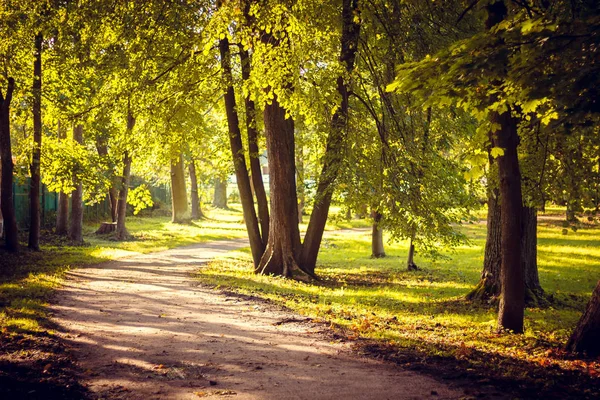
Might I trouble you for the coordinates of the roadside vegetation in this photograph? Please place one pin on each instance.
(419, 317)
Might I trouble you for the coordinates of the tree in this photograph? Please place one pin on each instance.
(196, 204)
(178, 191)
(11, 239)
(76, 215)
(34, 190)
(584, 338)
(336, 141)
(237, 153)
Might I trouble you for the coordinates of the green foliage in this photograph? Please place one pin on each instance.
(140, 198)
(65, 162)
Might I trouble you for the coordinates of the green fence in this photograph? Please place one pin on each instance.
(49, 204)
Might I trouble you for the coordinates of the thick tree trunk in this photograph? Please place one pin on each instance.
(11, 239)
(179, 204)
(377, 250)
(253, 150)
(335, 141)
(283, 246)
(237, 152)
(34, 189)
(220, 195)
(512, 300)
(489, 285)
(533, 290)
(122, 233)
(585, 337)
(76, 216)
(196, 206)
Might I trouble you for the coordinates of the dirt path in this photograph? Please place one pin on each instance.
(142, 329)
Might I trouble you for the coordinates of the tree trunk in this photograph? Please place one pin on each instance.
(533, 290)
(76, 216)
(122, 233)
(256, 173)
(179, 204)
(283, 246)
(220, 195)
(300, 182)
(410, 261)
(489, 285)
(237, 152)
(584, 338)
(196, 206)
(62, 214)
(377, 250)
(62, 211)
(335, 141)
(34, 190)
(113, 195)
(11, 239)
(510, 313)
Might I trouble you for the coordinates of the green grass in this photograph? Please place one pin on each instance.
(28, 279)
(425, 310)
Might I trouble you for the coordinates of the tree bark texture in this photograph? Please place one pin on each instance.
(586, 336)
(220, 194)
(122, 233)
(76, 216)
(300, 182)
(283, 247)
(489, 285)
(335, 141)
(34, 189)
(11, 240)
(533, 290)
(410, 261)
(62, 214)
(377, 250)
(113, 195)
(196, 206)
(237, 152)
(62, 211)
(512, 300)
(253, 150)
(179, 204)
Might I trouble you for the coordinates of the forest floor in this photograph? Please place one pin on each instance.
(141, 328)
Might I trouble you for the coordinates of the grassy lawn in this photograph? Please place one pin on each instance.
(28, 279)
(425, 311)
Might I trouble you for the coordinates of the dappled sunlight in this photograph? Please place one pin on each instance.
(425, 309)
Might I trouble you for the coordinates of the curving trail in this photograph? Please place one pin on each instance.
(141, 328)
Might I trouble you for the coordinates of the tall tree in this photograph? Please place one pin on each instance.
(336, 141)
(11, 239)
(196, 205)
(178, 191)
(237, 153)
(121, 231)
(34, 189)
(76, 217)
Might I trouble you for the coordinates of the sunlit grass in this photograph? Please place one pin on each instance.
(425, 310)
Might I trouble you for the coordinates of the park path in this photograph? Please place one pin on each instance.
(142, 328)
